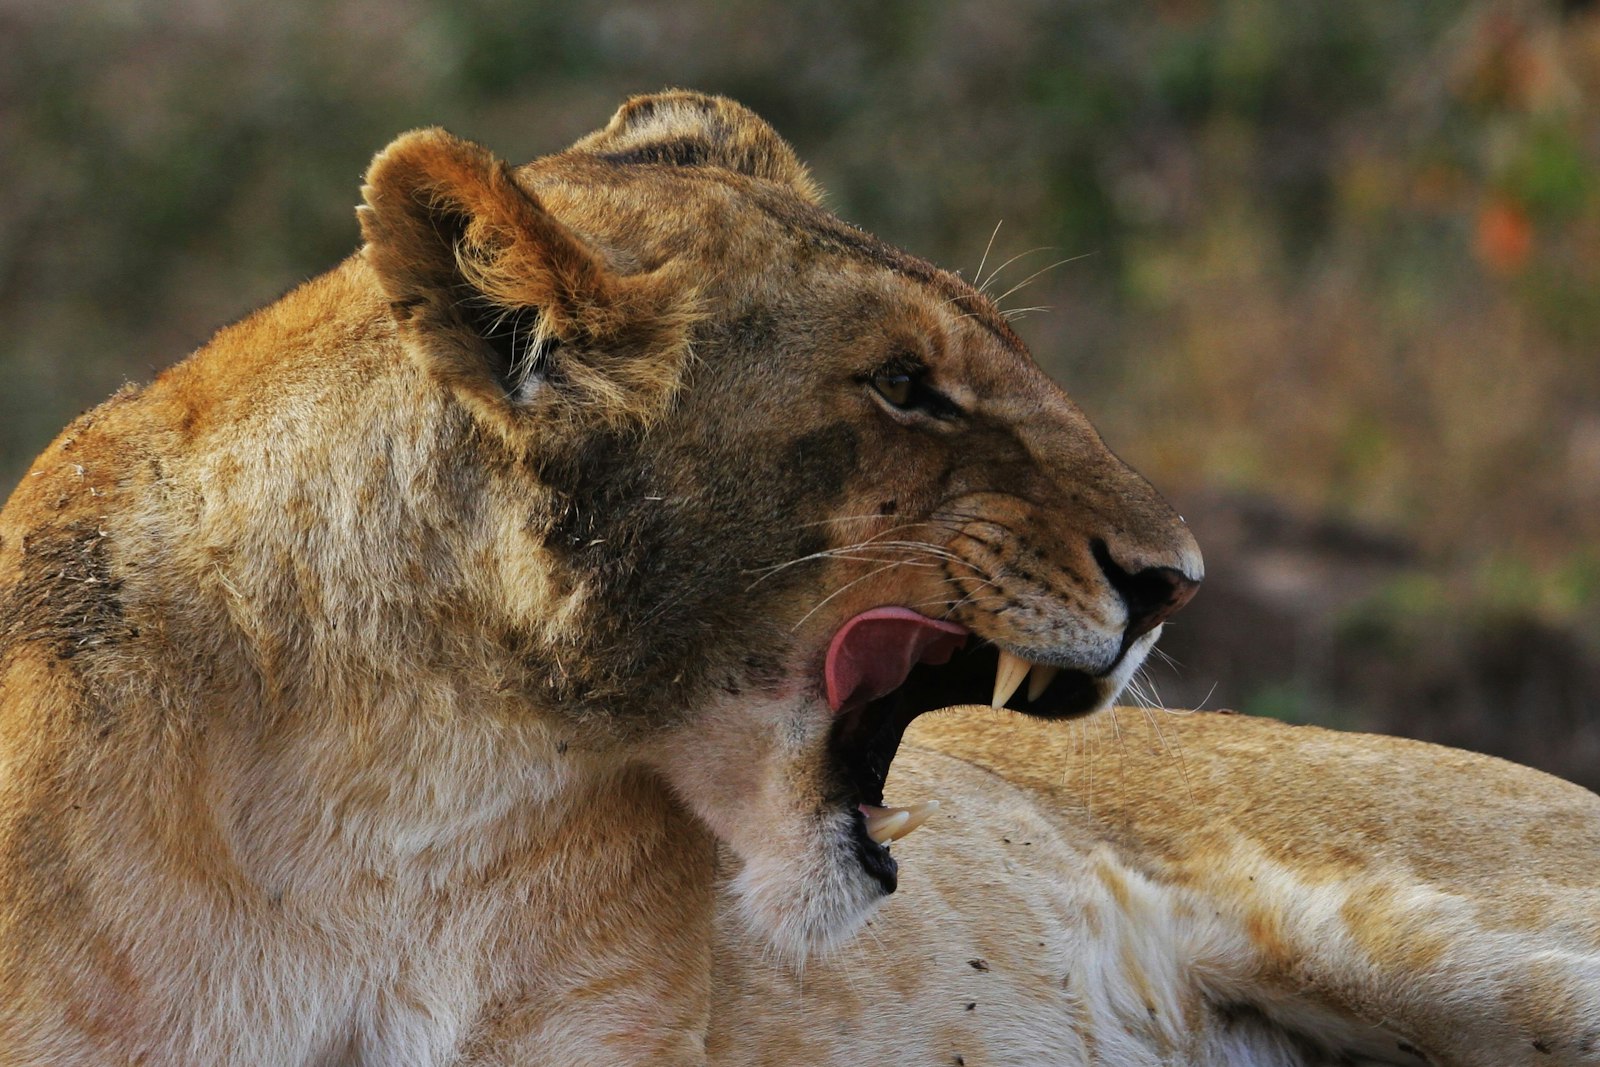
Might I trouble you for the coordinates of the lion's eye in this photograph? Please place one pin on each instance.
(905, 389)
(897, 387)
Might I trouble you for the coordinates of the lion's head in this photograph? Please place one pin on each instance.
(765, 488)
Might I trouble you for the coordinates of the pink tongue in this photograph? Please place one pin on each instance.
(873, 652)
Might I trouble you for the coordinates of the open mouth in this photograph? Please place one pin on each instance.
(887, 666)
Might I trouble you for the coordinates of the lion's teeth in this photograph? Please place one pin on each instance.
(883, 824)
(920, 813)
(891, 824)
(1007, 677)
(1039, 680)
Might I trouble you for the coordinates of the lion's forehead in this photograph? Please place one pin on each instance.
(746, 237)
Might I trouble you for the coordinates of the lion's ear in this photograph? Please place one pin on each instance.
(499, 295)
(691, 129)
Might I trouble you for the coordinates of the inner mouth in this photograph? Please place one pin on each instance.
(887, 666)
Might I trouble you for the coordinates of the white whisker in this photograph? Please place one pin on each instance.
(1026, 281)
(983, 285)
(841, 590)
(1017, 313)
(979, 272)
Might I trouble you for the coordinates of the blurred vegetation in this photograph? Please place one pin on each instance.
(1334, 261)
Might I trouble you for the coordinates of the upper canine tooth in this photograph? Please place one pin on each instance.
(1039, 680)
(1007, 677)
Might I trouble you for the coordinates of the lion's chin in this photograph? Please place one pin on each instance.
(812, 900)
(796, 864)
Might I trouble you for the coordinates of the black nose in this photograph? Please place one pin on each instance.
(1151, 595)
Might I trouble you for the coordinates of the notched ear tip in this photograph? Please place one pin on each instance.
(366, 217)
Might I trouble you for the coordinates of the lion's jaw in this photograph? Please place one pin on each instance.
(782, 785)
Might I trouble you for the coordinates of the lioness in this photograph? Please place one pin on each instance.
(494, 653)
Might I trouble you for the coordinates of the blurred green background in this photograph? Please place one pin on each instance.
(1331, 278)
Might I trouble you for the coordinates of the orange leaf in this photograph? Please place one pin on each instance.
(1504, 236)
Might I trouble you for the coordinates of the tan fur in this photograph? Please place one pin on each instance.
(1203, 888)
(428, 671)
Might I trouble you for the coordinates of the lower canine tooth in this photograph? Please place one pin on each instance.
(885, 827)
(1039, 680)
(1007, 677)
(919, 814)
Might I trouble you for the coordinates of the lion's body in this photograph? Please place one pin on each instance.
(379, 685)
(1204, 889)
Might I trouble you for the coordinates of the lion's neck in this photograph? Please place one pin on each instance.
(315, 662)
(330, 559)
